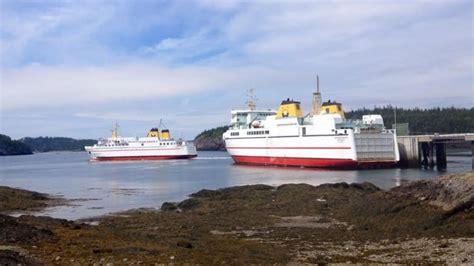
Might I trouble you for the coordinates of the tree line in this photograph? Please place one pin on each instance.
(13, 147)
(45, 144)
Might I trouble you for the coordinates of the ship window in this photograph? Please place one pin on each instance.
(142, 144)
(267, 132)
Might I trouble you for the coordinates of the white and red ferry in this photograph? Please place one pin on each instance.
(323, 138)
(157, 145)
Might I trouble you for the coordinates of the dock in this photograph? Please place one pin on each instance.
(430, 150)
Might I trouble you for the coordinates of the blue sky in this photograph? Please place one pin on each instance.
(74, 68)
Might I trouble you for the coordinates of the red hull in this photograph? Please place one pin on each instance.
(143, 158)
(311, 162)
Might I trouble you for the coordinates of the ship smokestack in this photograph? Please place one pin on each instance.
(317, 100)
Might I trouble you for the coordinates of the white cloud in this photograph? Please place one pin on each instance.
(51, 86)
(42, 86)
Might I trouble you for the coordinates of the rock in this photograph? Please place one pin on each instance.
(211, 140)
(76, 227)
(12, 257)
(366, 186)
(206, 193)
(184, 244)
(189, 204)
(453, 193)
(12, 231)
(169, 206)
(101, 250)
(209, 144)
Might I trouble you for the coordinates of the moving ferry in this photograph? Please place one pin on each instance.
(157, 145)
(324, 138)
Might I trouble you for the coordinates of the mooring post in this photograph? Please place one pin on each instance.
(431, 155)
(441, 155)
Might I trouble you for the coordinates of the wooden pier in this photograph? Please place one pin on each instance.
(429, 150)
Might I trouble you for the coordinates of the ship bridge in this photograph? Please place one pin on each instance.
(242, 119)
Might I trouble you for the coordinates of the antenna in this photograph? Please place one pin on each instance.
(252, 100)
(317, 82)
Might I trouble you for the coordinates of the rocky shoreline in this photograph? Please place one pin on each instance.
(419, 222)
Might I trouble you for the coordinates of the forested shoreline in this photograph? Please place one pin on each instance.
(29, 145)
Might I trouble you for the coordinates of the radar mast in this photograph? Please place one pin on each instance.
(252, 100)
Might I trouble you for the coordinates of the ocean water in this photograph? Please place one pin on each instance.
(98, 188)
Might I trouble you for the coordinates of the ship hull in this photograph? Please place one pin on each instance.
(145, 158)
(344, 151)
(149, 152)
(311, 162)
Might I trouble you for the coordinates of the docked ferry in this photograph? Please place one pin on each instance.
(157, 145)
(324, 138)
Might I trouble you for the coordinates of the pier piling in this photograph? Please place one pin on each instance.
(425, 151)
(421, 149)
(431, 163)
(441, 156)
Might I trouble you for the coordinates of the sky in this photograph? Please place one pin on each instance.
(75, 68)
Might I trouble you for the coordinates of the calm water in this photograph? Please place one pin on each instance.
(104, 187)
